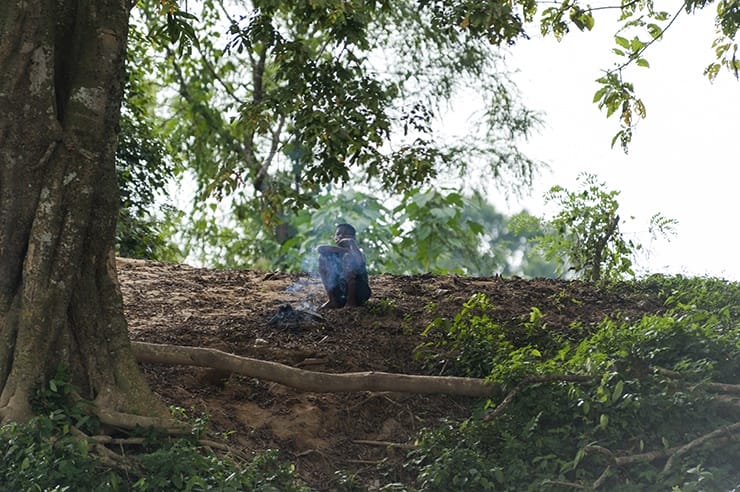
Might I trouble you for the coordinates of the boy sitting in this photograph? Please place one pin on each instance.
(343, 270)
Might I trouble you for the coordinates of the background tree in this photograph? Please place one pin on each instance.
(230, 127)
(428, 230)
(584, 237)
(249, 123)
(143, 167)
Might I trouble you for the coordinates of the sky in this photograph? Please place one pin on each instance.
(684, 159)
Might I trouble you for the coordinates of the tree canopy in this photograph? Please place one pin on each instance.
(273, 102)
(269, 106)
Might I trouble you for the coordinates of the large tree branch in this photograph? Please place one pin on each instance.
(728, 431)
(719, 437)
(732, 389)
(319, 382)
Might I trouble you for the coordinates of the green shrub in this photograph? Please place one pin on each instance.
(45, 454)
(585, 237)
(632, 406)
(473, 345)
(53, 453)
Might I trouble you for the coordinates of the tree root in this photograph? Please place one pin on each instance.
(100, 443)
(321, 382)
(107, 456)
(318, 382)
(129, 421)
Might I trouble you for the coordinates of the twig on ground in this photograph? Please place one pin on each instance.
(733, 389)
(386, 444)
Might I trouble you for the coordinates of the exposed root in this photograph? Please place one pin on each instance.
(127, 421)
(318, 382)
(107, 456)
(17, 409)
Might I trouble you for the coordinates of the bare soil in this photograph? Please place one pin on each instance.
(365, 434)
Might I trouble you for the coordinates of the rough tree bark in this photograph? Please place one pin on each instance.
(61, 75)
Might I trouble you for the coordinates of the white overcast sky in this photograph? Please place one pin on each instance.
(684, 158)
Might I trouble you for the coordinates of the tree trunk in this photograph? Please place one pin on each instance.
(61, 75)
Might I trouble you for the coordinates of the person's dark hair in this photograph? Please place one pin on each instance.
(346, 230)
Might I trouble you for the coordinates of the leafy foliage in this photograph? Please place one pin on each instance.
(640, 25)
(627, 405)
(276, 100)
(271, 101)
(267, 103)
(584, 236)
(143, 167)
(54, 452)
(426, 231)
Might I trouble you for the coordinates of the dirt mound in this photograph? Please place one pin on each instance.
(273, 317)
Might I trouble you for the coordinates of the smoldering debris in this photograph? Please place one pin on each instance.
(289, 318)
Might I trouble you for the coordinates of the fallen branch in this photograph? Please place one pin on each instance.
(723, 431)
(733, 389)
(561, 483)
(129, 421)
(318, 382)
(107, 440)
(719, 437)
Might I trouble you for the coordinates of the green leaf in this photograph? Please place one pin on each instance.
(476, 227)
(623, 42)
(636, 45)
(641, 62)
(654, 30)
(617, 136)
(618, 388)
(600, 94)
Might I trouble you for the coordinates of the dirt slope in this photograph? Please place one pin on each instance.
(245, 313)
